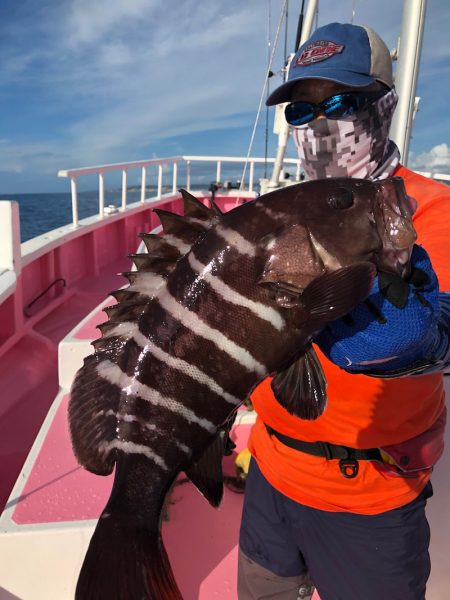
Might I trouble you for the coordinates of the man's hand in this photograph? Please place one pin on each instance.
(393, 329)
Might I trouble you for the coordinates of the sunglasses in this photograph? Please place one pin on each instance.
(338, 106)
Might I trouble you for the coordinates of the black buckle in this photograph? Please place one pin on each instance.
(326, 449)
(349, 467)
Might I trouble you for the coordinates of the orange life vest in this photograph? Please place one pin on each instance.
(363, 412)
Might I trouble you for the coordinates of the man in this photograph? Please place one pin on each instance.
(340, 501)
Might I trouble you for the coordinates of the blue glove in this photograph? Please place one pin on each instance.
(395, 329)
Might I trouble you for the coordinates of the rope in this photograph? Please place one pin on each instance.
(280, 21)
(353, 12)
(269, 43)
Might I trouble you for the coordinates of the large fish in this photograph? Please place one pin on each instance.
(217, 304)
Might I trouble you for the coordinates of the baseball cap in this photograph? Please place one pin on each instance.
(353, 55)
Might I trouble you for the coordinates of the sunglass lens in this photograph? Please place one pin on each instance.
(299, 113)
(341, 105)
(344, 105)
(337, 107)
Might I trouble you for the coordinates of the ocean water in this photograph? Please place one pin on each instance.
(43, 212)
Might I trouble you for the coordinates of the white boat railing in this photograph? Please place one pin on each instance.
(163, 168)
(444, 177)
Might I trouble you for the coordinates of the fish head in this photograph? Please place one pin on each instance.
(360, 220)
(394, 213)
(367, 221)
(335, 223)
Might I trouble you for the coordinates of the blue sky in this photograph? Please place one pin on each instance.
(87, 82)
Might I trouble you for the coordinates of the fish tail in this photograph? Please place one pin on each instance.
(125, 562)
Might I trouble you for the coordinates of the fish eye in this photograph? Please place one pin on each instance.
(341, 198)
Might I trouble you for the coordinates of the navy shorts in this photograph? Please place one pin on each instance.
(348, 556)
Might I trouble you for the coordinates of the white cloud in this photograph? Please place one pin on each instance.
(17, 157)
(115, 54)
(437, 159)
(111, 78)
(87, 21)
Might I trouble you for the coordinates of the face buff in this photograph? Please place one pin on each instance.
(357, 146)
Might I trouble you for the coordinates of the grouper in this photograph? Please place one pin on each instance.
(215, 305)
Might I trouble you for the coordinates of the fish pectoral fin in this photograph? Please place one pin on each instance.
(206, 473)
(301, 388)
(282, 293)
(333, 295)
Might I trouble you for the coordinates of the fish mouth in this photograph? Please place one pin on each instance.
(395, 261)
(396, 230)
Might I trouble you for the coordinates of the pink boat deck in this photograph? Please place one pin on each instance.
(29, 373)
(201, 541)
(58, 489)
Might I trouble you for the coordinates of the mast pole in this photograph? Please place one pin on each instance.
(283, 134)
(410, 49)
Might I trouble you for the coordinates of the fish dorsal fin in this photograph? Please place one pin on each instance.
(194, 208)
(131, 276)
(124, 295)
(153, 263)
(105, 329)
(186, 229)
(301, 388)
(154, 266)
(124, 311)
(158, 246)
(206, 473)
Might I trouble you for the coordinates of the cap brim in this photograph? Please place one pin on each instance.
(283, 92)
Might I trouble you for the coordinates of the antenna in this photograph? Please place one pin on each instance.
(299, 27)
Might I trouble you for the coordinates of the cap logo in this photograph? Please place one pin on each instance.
(318, 51)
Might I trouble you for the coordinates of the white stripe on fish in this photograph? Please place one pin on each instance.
(172, 240)
(132, 448)
(130, 330)
(262, 311)
(190, 320)
(236, 240)
(276, 216)
(146, 283)
(134, 419)
(131, 386)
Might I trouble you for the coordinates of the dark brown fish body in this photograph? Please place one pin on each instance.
(216, 305)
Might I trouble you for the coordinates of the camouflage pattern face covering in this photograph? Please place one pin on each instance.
(357, 146)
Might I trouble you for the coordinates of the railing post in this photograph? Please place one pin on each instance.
(219, 171)
(101, 195)
(143, 184)
(124, 189)
(10, 264)
(175, 177)
(251, 176)
(160, 175)
(188, 175)
(73, 187)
